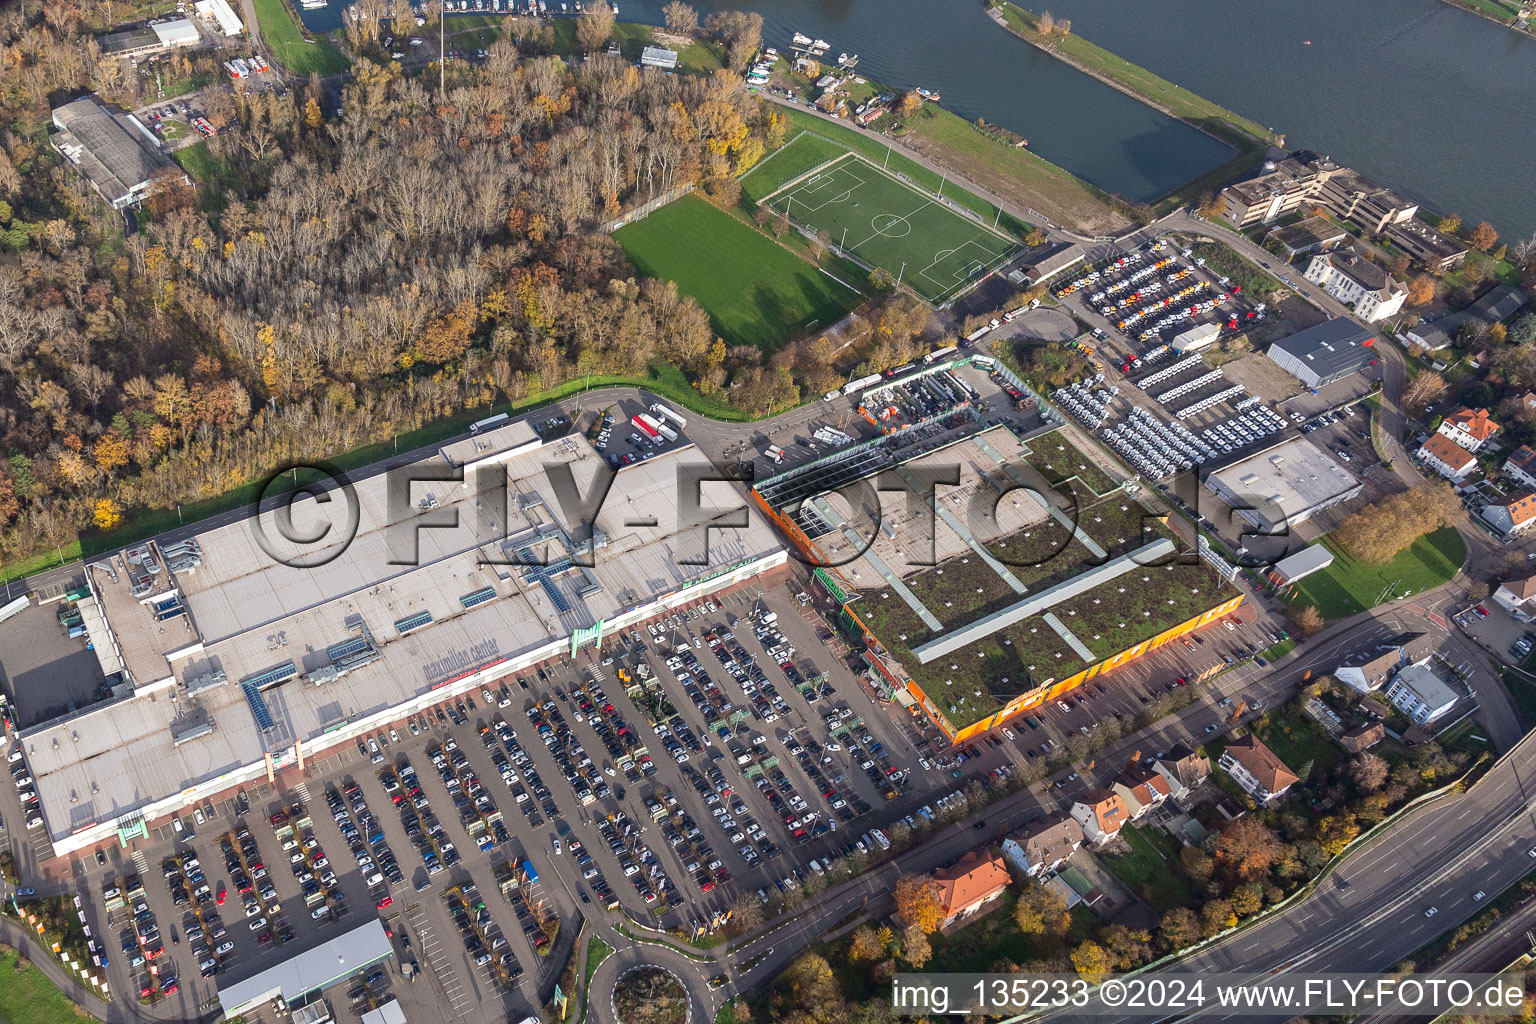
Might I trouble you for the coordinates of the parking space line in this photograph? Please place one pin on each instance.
(442, 966)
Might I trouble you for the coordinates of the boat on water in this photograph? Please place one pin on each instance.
(928, 94)
(801, 39)
(820, 47)
(310, 5)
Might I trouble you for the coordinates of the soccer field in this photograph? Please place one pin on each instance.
(888, 223)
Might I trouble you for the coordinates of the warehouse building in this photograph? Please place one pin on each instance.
(1294, 568)
(114, 152)
(310, 972)
(237, 653)
(1285, 486)
(155, 37)
(220, 13)
(1330, 351)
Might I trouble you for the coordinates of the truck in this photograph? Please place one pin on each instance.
(983, 330)
(646, 425)
(941, 354)
(668, 414)
(983, 362)
(489, 423)
(775, 453)
(855, 386)
(666, 431)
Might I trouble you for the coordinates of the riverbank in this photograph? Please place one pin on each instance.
(1248, 138)
(1499, 11)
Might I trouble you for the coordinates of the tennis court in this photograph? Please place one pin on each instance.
(888, 223)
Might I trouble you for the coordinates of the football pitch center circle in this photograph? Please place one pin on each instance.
(886, 224)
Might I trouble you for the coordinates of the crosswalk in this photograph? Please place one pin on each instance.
(140, 862)
(303, 790)
(442, 964)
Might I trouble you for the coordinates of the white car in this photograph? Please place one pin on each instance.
(1432, 911)
(14, 756)
(35, 821)
(258, 924)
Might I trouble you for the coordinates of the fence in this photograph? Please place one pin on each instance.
(645, 209)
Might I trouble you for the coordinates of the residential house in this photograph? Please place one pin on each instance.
(1102, 814)
(1362, 737)
(1368, 671)
(1040, 848)
(1442, 455)
(1355, 281)
(1469, 428)
(1521, 466)
(1514, 516)
(1420, 694)
(1255, 768)
(970, 886)
(1141, 787)
(1518, 597)
(1184, 770)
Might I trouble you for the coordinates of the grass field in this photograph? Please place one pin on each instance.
(755, 291)
(1150, 869)
(888, 223)
(800, 155)
(1349, 586)
(26, 997)
(282, 32)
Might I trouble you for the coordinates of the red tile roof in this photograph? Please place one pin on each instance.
(1521, 508)
(1447, 451)
(1262, 763)
(973, 878)
(1108, 809)
(1475, 422)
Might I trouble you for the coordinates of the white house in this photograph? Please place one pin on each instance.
(1518, 597)
(1041, 848)
(1184, 771)
(1101, 813)
(1420, 694)
(1356, 281)
(1469, 428)
(1521, 466)
(1442, 455)
(1255, 768)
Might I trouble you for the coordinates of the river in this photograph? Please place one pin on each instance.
(1399, 89)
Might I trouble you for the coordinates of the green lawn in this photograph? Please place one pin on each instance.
(887, 223)
(802, 153)
(284, 35)
(1296, 739)
(984, 945)
(1151, 869)
(755, 291)
(1279, 650)
(1349, 586)
(26, 997)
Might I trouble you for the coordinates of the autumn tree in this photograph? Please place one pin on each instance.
(1423, 391)
(1368, 772)
(1246, 848)
(915, 947)
(1091, 960)
(107, 514)
(312, 115)
(169, 190)
(1039, 911)
(1377, 532)
(1197, 864)
(1483, 237)
(1216, 916)
(917, 902)
(1307, 620)
(909, 104)
(1179, 928)
(1336, 831)
(595, 27)
(1213, 205)
(1449, 225)
(866, 945)
(680, 18)
(1421, 290)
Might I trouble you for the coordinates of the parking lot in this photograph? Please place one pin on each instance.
(479, 831)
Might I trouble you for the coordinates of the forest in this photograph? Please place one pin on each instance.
(339, 277)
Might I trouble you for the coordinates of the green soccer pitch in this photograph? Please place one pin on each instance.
(887, 223)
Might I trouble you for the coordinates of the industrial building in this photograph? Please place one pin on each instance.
(1322, 354)
(1285, 486)
(1196, 338)
(1294, 568)
(236, 653)
(221, 14)
(115, 153)
(155, 37)
(310, 972)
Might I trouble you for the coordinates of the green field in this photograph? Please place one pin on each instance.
(1348, 587)
(800, 155)
(888, 223)
(755, 291)
(26, 997)
(282, 32)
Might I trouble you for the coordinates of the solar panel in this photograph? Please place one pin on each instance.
(478, 597)
(561, 604)
(271, 676)
(258, 707)
(411, 622)
(347, 648)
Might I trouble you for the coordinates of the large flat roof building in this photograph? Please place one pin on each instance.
(1284, 486)
(114, 152)
(237, 660)
(1324, 353)
(310, 971)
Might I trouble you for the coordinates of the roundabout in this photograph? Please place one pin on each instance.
(647, 994)
(651, 984)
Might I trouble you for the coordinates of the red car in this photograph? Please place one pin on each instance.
(220, 899)
(386, 901)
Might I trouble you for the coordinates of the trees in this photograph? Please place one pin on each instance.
(1039, 911)
(1450, 224)
(1179, 928)
(1247, 848)
(909, 104)
(915, 948)
(1423, 391)
(1213, 205)
(1368, 772)
(1216, 916)
(1483, 237)
(917, 902)
(1421, 290)
(595, 27)
(1091, 960)
(1377, 532)
(1307, 621)
(680, 18)
(107, 514)
(866, 945)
